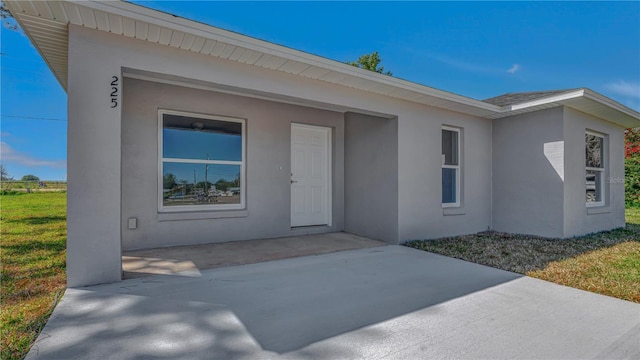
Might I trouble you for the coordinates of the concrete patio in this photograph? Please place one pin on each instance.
(387, 302)
(190, 260)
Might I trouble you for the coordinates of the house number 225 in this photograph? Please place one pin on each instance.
(114, 91)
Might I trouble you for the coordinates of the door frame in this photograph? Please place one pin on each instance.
(329, 173)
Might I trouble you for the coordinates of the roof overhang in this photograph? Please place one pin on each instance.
(584, 100)
(46, 24)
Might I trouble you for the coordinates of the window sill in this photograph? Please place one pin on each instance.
(201, 215)
(598, 210)
(449, 211)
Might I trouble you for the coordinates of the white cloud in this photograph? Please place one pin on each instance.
(624, 88)
(7, 154)
(515, 68)
(460, 64)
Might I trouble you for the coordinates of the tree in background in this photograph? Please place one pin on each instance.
(370, 62)
(4, 175)
(169, 181)
(632, 167)
(7, 18)
(30, 178)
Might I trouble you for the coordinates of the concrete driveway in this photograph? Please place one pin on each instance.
(388, 302)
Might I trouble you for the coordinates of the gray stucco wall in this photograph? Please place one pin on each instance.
(528, 163)
(112, 161)
(578, 219)
(420, 212)
(93, 167)
(371, 177)
(268, 126)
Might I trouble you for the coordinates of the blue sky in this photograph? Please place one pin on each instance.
(474, 49)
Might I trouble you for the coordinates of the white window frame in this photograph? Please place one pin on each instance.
(161, 160)
(599, 171)
(456, 167)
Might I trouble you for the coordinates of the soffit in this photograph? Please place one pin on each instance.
(46, 24)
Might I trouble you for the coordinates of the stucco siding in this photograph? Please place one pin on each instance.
(421, 215)
(528, 175)
(268, 168)
(371, 177)
(97, 217)
(523, 174)
(578, 219)
(93, 167)
(137, 56)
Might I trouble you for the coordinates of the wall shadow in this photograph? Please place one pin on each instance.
(255, 310)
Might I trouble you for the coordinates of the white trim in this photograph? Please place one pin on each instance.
(198, 161)
(547, 100)
(161, 159)
(329, 176)
(600, 170)
(594, 133)
(457, 167)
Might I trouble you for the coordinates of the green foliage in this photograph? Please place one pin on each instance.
(632, 167)
(7, 18)
(30, 178)
(632, 216)
(223, 184)
(631, 142)
(169, 181)
(370, 62)
(632, 180)
(204, 185)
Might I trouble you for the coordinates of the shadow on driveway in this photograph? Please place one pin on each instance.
(350, 304)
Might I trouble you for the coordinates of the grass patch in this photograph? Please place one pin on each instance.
(607, 263)
(632, 216)
(32, 277)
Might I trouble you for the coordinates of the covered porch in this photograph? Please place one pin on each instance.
(190, 260)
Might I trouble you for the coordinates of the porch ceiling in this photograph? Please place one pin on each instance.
(46, 24)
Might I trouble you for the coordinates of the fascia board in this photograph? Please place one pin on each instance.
(592, 95)
(162, 19)
(547, 100)
(631, 118)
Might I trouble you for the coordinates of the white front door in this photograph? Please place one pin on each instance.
(310, 175)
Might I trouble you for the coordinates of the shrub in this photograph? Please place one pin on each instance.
(632, 180)
(632, 167)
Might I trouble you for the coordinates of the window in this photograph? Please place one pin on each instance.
(202, 161)
(450, 167)
(594, 163)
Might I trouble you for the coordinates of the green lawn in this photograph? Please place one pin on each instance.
(32, 253)
(607, 263)
(611, 270)
(633, 216)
